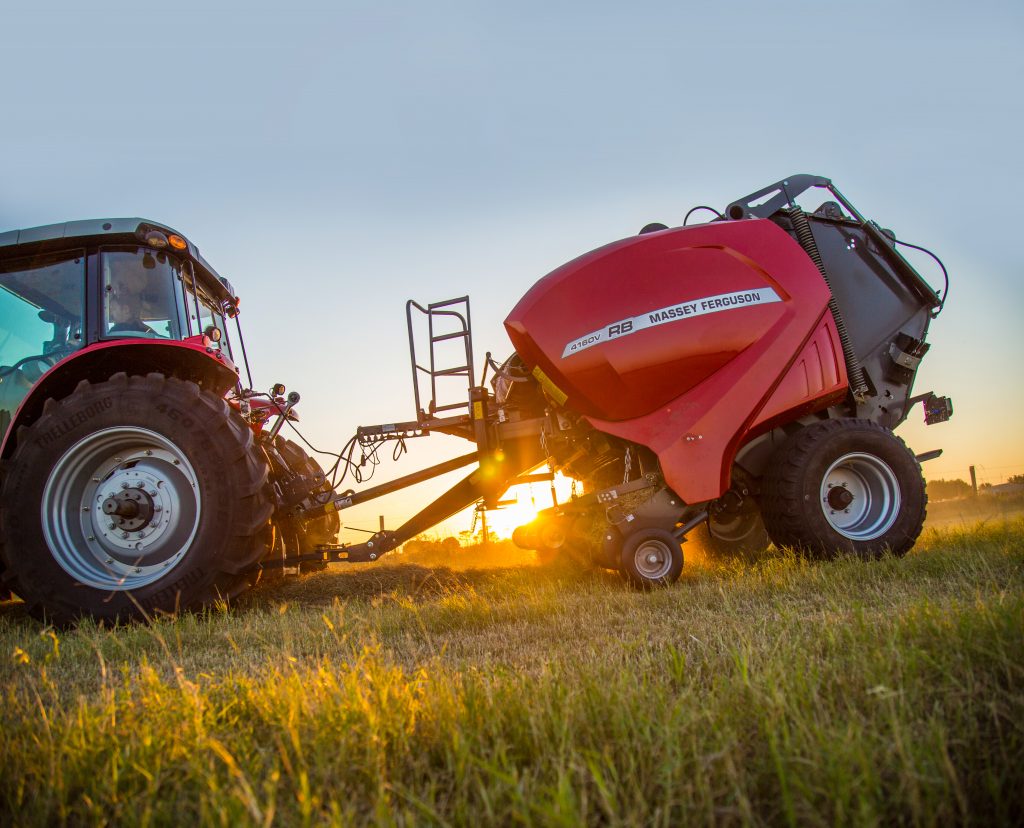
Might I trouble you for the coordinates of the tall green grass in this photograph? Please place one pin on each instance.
(779, 692)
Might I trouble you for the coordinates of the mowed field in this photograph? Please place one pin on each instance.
(768, 692)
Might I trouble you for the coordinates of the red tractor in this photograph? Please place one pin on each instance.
(739, 378)
(139, 475)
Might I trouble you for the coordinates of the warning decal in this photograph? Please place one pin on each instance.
(691, 307)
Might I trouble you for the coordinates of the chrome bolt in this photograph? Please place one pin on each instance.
(157, 507)
(111, 525)
(124, 534)
(109, 560)
(91, 537)
(124, 485)
(138, 569)
(86, 508)
(149, 453)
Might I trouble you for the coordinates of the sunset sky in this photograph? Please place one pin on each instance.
(336, 159)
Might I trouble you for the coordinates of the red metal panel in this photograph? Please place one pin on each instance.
(688, 387)
(815, 380)
(100, 360)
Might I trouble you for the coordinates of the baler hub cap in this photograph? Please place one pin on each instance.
(653, 559)
(120, 508)
(860, 496)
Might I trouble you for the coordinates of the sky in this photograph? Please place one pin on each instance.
(336, 159)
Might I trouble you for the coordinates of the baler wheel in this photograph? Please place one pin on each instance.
(740, 534)
(652, 557)
(844, 486)
(130, 497)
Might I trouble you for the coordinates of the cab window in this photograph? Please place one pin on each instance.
(140, 299)
(41, 313)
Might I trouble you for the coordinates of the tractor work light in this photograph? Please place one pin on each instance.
(177, 242)
(213, 333)
(156, 239)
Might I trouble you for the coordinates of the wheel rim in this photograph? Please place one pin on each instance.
(653, 559)
(860, 497)
(121, 508)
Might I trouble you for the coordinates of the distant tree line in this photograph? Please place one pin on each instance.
(949, 489)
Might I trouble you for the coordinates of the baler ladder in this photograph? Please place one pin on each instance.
(446, 321)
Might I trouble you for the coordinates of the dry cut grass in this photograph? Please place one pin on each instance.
(777, 692)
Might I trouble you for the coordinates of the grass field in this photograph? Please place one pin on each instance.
(778, 692)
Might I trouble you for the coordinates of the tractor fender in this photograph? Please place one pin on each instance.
(191, 359)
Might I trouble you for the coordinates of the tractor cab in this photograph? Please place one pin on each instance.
(71, 287)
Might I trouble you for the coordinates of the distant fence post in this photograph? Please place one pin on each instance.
(974, 481)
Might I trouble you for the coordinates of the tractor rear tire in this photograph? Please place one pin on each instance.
(133, 497)
(303, 538)
(844, 487)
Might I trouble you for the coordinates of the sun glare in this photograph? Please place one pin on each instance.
(527, 499)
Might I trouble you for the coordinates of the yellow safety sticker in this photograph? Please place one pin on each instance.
(553, 391)
(478, 410)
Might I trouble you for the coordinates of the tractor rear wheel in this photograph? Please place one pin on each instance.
(303, 537)
(134, 496)
(844, 486)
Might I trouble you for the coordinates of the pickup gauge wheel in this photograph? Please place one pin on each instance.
(133, 496)
(652, 557)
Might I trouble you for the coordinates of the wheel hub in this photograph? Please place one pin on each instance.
(860, 496)
(130, 510)
(839, 497)
(121, 508)
(653, 559)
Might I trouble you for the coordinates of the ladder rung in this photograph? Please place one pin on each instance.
(451, 407)
(452, 372)
(444, 337)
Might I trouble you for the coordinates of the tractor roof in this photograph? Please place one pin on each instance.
(51, 237)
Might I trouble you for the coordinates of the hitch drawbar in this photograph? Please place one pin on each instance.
(350, 498)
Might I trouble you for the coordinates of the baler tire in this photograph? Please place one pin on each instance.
(881, 476)
(729, 543)
(186, 449)
(652, 557)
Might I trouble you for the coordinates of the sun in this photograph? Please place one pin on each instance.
(521, 505)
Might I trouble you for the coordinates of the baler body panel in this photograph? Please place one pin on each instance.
(691, 386)
(762, 281)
